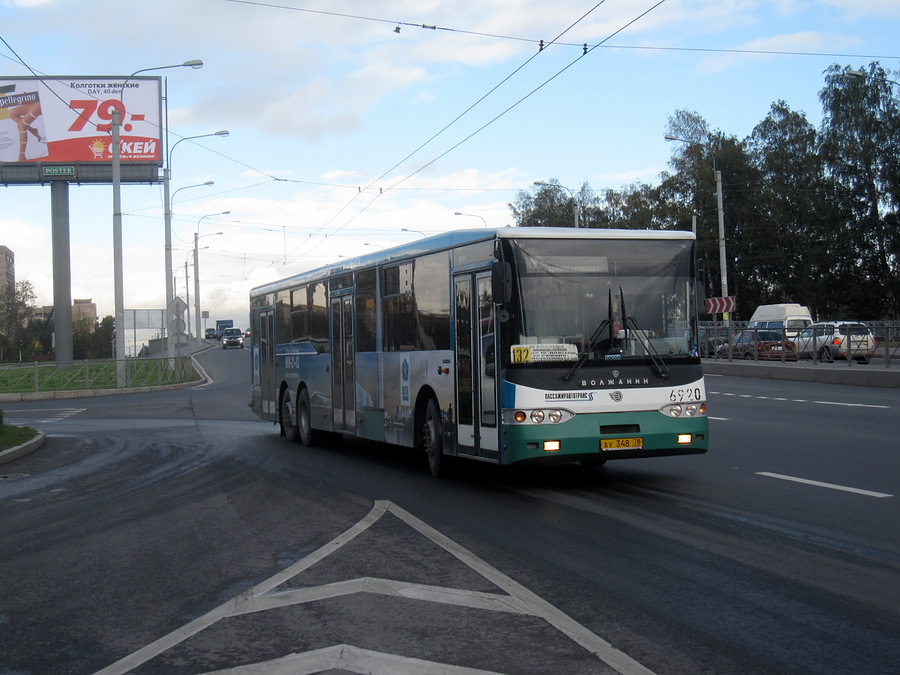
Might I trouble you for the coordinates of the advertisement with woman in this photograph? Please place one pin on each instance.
(69, 120)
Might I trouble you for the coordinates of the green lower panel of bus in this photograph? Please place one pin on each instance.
(597, 437)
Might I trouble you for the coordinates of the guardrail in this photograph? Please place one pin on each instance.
(887, 340)
(95, 375)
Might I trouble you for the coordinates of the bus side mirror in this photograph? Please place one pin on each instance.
(501, 281)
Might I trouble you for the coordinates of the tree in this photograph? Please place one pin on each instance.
(639, 206)
(691, 190)
(551, 205)
(800, 240)
(104, 337)
(92, 339)
(16, 309)
(861, 147)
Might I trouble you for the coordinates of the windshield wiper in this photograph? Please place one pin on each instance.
(606, 324)
(662, 370)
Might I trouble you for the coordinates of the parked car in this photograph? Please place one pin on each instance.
(830, 340)
(210, 333)
(751, 343)
(711, 338)
(232, 337)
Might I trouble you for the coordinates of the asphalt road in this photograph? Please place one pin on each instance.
(172, 532)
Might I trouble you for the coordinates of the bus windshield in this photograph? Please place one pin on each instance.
(610, 299)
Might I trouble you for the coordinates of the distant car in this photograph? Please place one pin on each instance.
(765, 345)
(246, 332)
(710, 339)
(232, 337)
(830, 340)
(210, 333)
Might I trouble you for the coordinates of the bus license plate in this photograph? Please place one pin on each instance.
(634, 443)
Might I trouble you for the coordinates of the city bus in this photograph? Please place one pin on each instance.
(509, 346)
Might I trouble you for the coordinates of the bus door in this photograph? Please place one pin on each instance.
(266, 365)
(343, 360)
(476, 364)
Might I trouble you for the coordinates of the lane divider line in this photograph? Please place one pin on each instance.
(830, 486)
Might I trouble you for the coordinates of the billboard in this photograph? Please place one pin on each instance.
(68, 121)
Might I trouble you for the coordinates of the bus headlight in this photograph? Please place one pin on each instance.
(684, 410)
(537, 416)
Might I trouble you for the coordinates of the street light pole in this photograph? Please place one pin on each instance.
(118, 266)
(721, 212)
(197, 238)
(170, 295)
(472, 215)
(576, 207)
(722, 258)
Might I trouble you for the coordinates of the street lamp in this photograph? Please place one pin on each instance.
(472, 215)
(198, 237)
(722, 258)
(576, 206)
(405, 229)
(118, 266)
(167, 174)
(861, 74)
(170, 284)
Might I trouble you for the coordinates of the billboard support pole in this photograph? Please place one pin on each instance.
(62, 271)
(118, 267)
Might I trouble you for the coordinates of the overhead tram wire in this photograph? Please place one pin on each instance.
(434, 136)
(494, 119)
(497, 36)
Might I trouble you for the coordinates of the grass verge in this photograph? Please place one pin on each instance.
(11, 436)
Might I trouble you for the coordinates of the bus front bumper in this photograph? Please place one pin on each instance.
(603, 436)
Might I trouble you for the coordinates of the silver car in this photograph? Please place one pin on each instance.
(830, 340)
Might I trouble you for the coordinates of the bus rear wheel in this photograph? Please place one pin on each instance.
(431, 438)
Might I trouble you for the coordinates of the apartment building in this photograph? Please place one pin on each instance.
(7, 266)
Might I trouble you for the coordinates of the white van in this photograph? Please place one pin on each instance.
(788, 316)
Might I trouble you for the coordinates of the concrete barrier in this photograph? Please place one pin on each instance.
(873, 374)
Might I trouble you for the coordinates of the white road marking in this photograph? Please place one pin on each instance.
(350, 659)
(44, 415)
(854, 405)
(517, 599)
(803, 400)
(831, 486)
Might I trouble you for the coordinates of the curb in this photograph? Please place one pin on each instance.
(870, 375)
(23, 449)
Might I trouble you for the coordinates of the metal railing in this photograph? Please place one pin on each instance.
(887, 341)
(95, 374)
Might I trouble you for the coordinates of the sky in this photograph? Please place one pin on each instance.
(356, 125)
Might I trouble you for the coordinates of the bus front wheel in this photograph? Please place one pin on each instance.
(304, 418)
(288, 417)
(431, 438)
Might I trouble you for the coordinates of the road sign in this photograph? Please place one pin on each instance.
(177, 306)
(721, 305)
